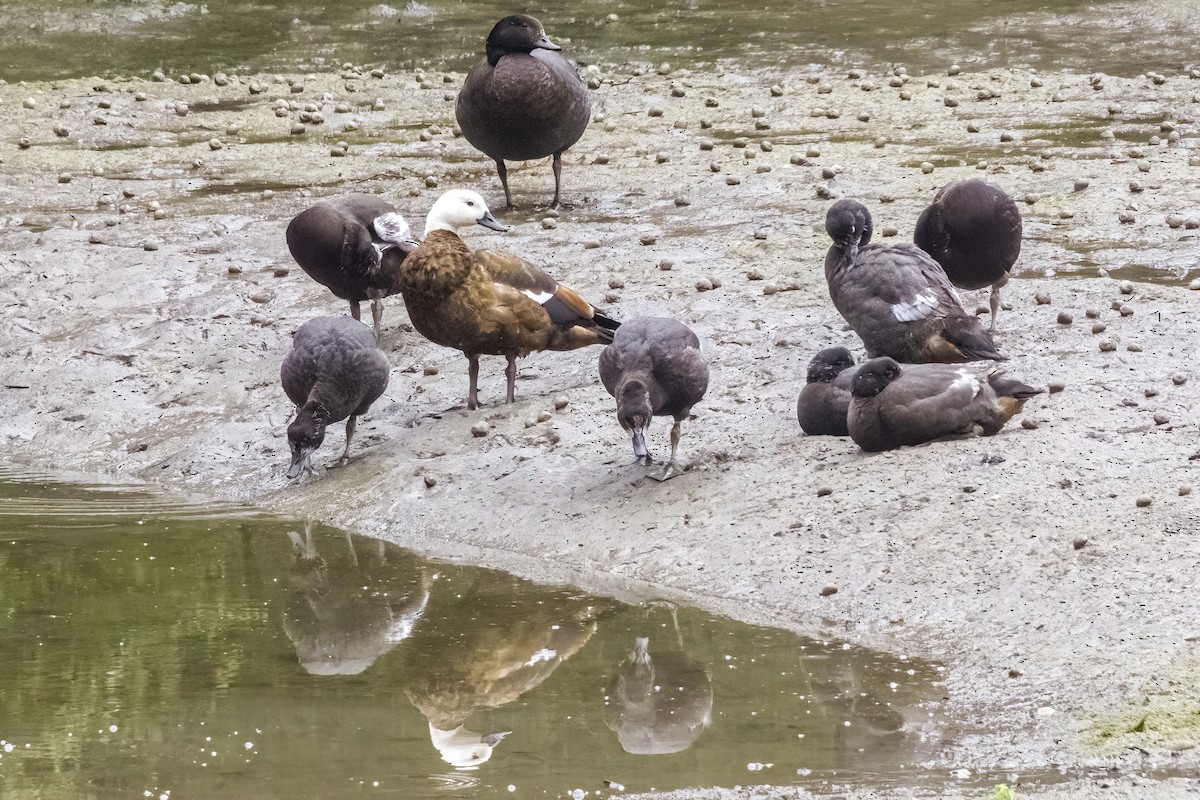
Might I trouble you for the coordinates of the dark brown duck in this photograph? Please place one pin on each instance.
(523, 100)
(824, 401)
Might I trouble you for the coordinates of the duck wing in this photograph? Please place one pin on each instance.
(513, 275)
(913, 285)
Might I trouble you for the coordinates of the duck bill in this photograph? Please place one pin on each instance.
(408, 246)
(639, 445)
(488, 221)
(544, 43)
(301, 464)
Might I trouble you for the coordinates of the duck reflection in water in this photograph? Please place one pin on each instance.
(484, 647)
(348, 607)
(663, 700)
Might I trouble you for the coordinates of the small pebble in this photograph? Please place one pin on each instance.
(662, 158)
(1029, 424)
(1042, 299)
(1185, 489)
(561, 402)
(431, 182)
(64, 177)
(1126, 287)
(666, 265)
(215, 144)
(1064, 318)
(1150, 391)
(480, 429)
(1133, 348)
(824, 491)
(1054, 387)
(1161, 419)
(549, 223)
(1079, 542)
(29, 102)
(616, 282)
(1127, 217)
(732, 181)
(1179, 379)
(1092, 313)
(430, 481)
(647, 239)
(828, 589)
(1081, 184)
(545, 416)
(1143, 501)
(703, 285)
(1107, 346)
(1006, 137)
(926, 167)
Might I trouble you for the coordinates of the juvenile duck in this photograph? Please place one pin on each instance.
(334, 372)
(523, 100)
(488, 302)
(895, 297)
(825, 399)
(896, 405)
(353, 245)
(973, 229)
(654, 368)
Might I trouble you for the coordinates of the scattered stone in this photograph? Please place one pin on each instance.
(1126, 287)
(662, 158)
(1133, 348)
(1006, 137)
(926, 167)
(1107, 346)
(1081, 184)
(665, 265)
(1179, 379)
(824, 491)
(776, 91)
(828, 589)
(1185, 489)
(732, 181)
(682, 201)
(1161, 418)
(549, 223)
(1126, 311)
(1064, 318)
(1042, 299)
(704, 285)
(950, 102)
(615, 282)
(561, 402)
(1144, 501)
(1029, 424)
(1092, 313)
(647, 239)
(64, 177)
(545, 416)
(755, 275)
(1079, 542)
(1175, 220)
(1054, 387)
(215, 144)
(480, 429)
(1127, 217)
(760, 234)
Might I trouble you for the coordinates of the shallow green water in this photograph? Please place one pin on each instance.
(46, 39)
(154, 648)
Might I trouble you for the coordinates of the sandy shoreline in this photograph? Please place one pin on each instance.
(150, 349)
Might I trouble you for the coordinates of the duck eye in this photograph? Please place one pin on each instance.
(471, 202)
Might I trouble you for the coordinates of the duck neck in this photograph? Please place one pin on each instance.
(633, 394)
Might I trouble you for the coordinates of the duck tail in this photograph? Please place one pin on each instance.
(606, 327)
(970, 339)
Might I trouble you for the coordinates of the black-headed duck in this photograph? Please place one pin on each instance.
(824, 401)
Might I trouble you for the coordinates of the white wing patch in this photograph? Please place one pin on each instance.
(967, 380)
(538, 297)
(392, 228)
(919, 307)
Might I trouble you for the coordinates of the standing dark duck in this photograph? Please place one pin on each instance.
(825, 399)
(654, 368)
(523, 100)
(352, 245)
(973, 229)
(334, 372)
(488, 302)
(895, 297)
(896, 405)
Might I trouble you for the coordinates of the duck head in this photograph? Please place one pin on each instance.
(393, 229)
(848, 223)
(305, 435)
(874, 376)
(458, 208)
(519, 33)
(828, 364)
(634, 413)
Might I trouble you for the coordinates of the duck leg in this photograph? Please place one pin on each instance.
(556, 165)
(355, 311)
(376, 311)
(510, 372)
(671, 470)
(473, 377)
(502, 171)
(994, 301)
(351, 423)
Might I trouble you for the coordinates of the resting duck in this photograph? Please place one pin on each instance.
(352, 245)
(973, 229)
(334, 372)
(895, 297)
(825, 399)
(654, 368)
(895, 405)
(523, 100)
(488, 302)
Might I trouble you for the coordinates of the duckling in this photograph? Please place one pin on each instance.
(824, 401)
(353, 245)
(895, 297)
(896, 405)
(334, 371)
(973, 229)
(488, 302)
(523, 100)
(654, 368)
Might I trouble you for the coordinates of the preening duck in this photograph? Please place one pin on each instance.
(334, 372)
(523, 100)
(488, 302)
(654, 368)
(894, 406)
(825, 399)
(973, 229)
(353, 245)
(895, 297)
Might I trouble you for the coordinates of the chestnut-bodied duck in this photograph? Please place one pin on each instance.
(894, 405)
(488, 302)
(353, 245)
(334, 372)
(896, 297)
(824, 401)
(523, 100)
(654, 368)
(973, 229)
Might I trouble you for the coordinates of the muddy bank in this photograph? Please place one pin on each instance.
(148, 299)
